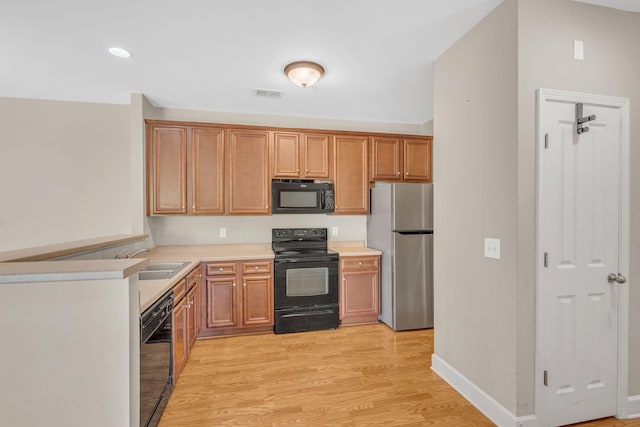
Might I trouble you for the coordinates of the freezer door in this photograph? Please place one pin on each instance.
(413, 281)
(413, 206)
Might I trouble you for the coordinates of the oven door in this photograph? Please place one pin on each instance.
(305, 282)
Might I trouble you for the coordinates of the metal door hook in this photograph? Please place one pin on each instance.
(581, 120)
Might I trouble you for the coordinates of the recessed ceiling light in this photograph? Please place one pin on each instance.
(119, 52)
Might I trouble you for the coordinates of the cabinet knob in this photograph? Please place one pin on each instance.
(359, 262)
(234, 284)
(255, 268)
(297, 170)
(220, 269)
(397, 173)
(406, 173)
(244, 284)
(306, 170)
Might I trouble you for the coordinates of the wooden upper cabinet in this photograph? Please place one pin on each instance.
(400, 159)
(417, 159)
(207, 171)
(386, 159)
(248, 187)
(301, 155)
(167, 169)
(351, 175)
(316, 153)
(286, 155)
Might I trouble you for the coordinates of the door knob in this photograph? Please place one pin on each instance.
(618, 278)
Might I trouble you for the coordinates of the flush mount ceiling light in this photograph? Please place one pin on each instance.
(119, 52)
(304, 73)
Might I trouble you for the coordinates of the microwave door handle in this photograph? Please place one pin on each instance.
(322, 206)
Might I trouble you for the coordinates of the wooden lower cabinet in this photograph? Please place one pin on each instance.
(359, 289)
(186, 319)
(237, 297)
(179, 324)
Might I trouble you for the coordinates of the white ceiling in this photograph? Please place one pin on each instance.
(211, 54)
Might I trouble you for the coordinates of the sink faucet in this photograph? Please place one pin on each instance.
(131, 255)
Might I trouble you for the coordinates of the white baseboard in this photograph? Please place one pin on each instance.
(478, 398)
(633, 407)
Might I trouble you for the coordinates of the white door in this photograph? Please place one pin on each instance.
(579, 220)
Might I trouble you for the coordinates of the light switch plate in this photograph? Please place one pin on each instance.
(492, 248)
(223, 233)
(578, 50)
(334, 231)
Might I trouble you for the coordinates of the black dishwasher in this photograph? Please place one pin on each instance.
(156, 370)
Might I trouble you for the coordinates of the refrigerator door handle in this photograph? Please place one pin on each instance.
(409, 232)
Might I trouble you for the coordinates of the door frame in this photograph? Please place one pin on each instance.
(543, 95)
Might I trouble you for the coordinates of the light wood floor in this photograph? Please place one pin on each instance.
(353, 376)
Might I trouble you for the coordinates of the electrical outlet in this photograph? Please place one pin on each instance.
(223, 233)
(334, 231)
(492, 248)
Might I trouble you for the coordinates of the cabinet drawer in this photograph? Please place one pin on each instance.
(179, 290)
(256, 267)
(193, 278)
(369, 263)
(221, 268)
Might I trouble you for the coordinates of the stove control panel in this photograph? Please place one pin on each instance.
(298, 233)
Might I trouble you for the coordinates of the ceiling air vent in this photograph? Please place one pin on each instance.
(268, 93)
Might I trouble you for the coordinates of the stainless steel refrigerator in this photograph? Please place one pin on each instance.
(401, 226)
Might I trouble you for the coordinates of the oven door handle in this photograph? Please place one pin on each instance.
(318, 259)
(308, 313)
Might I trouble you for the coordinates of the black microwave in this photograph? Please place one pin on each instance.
(301, 197)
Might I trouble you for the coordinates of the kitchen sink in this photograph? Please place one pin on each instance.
(161, 270)
(166, 266)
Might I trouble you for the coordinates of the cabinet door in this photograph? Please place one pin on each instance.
(192, 316)
(257, 298)
(417, 160)
(351, 175)
(359, 302)
(316, 149)
(386, 159)
(168, 161)
(249, 178)
(221, 300)
(286, 155)
(180, 351)
(207, 171)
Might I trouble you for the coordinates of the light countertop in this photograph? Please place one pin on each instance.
(58, 271)
(42, 253)
(151, 290)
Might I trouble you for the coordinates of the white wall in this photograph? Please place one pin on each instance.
(183, 230)
(64, 172)
(475, 171)
(484, 168)
(611, 67)
(70, 354)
